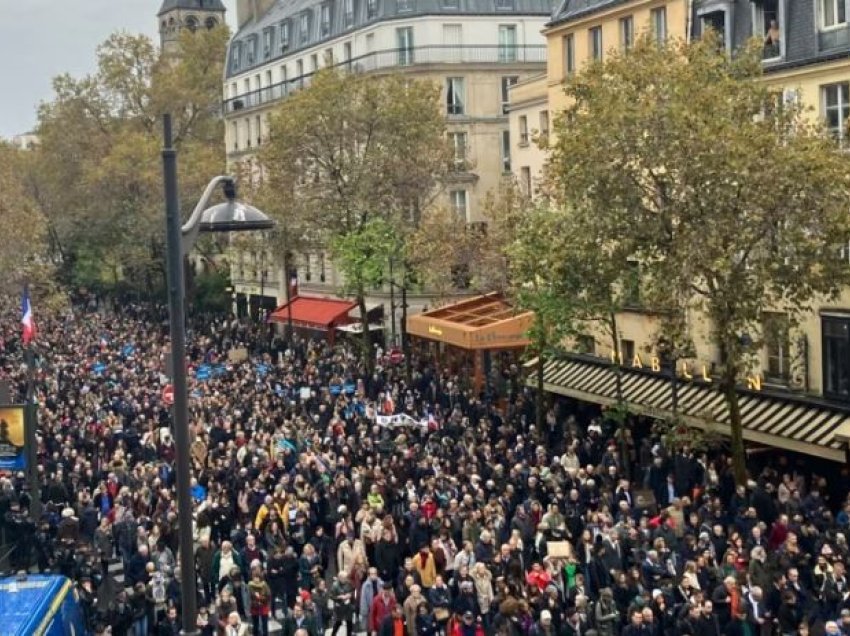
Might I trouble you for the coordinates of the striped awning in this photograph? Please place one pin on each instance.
(778, 421)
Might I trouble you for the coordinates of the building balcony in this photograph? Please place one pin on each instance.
(834, 39)
(395, 59)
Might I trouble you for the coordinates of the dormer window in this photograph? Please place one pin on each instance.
(371, 9)
(252, 51)
(348, 13)
(284, 37)
(235, 55)
(405, 5)
(304, 28)
(326, 19)
(504, 5)
(267, 43)
(768, 25)
(833, 13)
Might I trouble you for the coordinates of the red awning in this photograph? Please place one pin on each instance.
(314, 313)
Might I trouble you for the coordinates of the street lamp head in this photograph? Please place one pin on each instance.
(233, 216)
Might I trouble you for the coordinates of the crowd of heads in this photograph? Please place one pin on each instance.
(464, 518)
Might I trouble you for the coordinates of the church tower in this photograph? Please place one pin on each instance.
(175, 15)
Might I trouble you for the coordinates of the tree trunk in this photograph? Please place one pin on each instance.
(366, 342)
(540, 401)
(736, 430)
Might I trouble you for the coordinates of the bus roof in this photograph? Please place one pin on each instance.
(25, 604)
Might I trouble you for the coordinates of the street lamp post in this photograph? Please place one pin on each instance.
(225, 217)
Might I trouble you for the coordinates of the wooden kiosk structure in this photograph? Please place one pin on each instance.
(471, 330)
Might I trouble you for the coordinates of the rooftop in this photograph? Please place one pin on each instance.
(291, 25)
(572, 9)
(197, 5)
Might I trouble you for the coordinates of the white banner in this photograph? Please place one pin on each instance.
(402, 419)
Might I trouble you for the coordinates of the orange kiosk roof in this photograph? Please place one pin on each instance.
(483, 322)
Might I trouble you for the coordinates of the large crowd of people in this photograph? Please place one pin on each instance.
(463, 519)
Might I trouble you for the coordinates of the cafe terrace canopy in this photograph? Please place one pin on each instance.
(320, 314)
(475, 324)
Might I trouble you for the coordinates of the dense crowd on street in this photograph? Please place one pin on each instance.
(465, 520)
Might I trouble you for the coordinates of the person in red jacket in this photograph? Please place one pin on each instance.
(382, 606)
(468, 626)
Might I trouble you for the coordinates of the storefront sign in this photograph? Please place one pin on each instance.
(684, 370)
(435, 331)
(12, 455)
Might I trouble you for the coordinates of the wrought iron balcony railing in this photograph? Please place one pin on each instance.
(396, 59)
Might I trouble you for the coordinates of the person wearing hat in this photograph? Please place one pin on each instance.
(544, 626)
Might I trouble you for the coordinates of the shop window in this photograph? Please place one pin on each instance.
(777, 344)
(836, 356)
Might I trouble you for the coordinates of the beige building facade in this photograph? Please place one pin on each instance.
(474, 49)
(796, 395)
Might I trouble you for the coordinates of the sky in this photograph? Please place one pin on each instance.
(40, 39)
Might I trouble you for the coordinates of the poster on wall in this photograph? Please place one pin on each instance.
(12, 451)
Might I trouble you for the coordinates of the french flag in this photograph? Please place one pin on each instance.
(27, 321)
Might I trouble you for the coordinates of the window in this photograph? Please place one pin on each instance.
(284, 37)
(235, 134)
(836, 108)
(658, 20)
(192, 23)
(269, 81)
(504, 5)
(777, 345)
(405, 6)
(832, 13)
(299, 73)
(252, 51)
(523, 130)
(371, 9)
(506, 151)
(451, 4)
(455, 96)
(767, 25)
(631, 285)
(326, 20)
(346, 53)
(404, 42)
(627, 33)
(714, 20)
(569, 54)
(586, 344)
(836, 356)
(507, 43)
(329, 57)
(304, 28)
(284, 77)
(525, 180)
(458, 141)
(544, 125)
(627, 350)
(258, 128)
(595, 42)
(458, 202)
(248, 132)
(267, 43)
(314, 63)
(235, 52)
(348, 13)
(507, 82)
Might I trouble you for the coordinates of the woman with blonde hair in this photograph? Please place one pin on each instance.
(483, 580)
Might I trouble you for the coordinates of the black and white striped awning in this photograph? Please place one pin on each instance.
(777, 421)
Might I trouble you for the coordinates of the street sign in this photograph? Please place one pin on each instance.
(168, 394)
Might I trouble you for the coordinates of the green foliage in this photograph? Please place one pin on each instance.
(97, 175)
(211, 292)
(361, 255)
(728, 199)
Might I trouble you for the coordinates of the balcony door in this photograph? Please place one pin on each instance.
(404, 42)
(452, 43)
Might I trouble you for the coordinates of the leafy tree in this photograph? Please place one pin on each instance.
(350, 149)
(729, 199)
(96, 176)
(23, 235)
